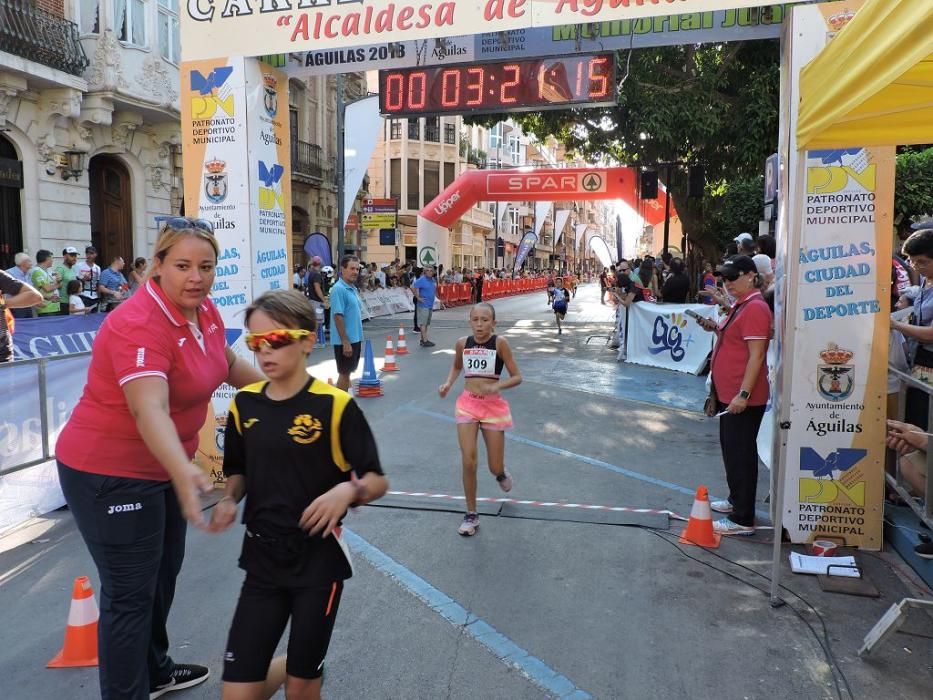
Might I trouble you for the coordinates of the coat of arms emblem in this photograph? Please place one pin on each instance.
(835, 376)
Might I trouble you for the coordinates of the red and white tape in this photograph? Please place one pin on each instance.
(545, 504)
(823, 548)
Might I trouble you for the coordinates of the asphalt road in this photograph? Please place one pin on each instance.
(547, 600)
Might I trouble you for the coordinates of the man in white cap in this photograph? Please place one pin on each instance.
(67, 271)
(746, 244)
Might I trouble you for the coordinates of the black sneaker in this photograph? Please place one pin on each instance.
(183, 676)
(427, 344)
(924, 550)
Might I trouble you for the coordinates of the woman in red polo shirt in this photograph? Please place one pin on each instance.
(124, 457)
(740, 378)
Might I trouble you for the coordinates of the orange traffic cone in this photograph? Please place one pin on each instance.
(389, 365)
(699, 530)
(81, 632)
(402, 345)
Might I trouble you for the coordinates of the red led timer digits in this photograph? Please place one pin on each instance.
(502, 86)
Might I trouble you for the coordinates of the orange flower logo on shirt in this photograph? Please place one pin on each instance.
(306, 429)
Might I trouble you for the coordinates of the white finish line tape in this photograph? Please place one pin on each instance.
(546, 504)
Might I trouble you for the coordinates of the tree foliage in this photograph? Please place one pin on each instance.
(913, 187)
(732, 207)
(714, 105)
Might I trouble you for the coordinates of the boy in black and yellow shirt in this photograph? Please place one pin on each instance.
(302, 453)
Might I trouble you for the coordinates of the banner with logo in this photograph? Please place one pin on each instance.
(56, 335)
(738, 24)
(215, 149)
(662, 335)
(34, 491)
(528, 242)
(385, 302)
(257, 27)
(835, 318)
(270, 167)
(234, 121)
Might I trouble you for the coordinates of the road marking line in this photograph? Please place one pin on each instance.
(486, 499)
(507, 651)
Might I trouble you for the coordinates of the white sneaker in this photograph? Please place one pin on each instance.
(721, 506)
(727, 527)
(469, 525)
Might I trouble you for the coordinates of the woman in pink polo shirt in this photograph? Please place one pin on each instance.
(740, 378)
(124, 457)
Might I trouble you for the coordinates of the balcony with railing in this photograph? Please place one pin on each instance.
(37, 35)
(308, 160)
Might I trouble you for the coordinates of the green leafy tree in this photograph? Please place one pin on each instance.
(714, 105)
(913, 187)
(731, 207)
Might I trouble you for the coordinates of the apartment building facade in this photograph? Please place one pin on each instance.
(89, 124)
(414, 161)
(313, 132)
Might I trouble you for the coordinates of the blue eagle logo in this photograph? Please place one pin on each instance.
(214, 80)
(270, 176)
(841, 460)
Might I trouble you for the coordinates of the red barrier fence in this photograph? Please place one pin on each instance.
(458, 294)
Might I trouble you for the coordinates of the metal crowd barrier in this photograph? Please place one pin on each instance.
(924, 508)
(21, 392)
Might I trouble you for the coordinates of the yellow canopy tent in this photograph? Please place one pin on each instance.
(873, 83)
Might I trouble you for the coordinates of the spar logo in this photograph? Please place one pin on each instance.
(668, 336)
(447, 204)
(270, 189)
(213, 93)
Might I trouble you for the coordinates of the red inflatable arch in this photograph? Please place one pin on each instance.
(522, 185)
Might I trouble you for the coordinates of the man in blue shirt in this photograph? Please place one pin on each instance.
(346, 321)
(113, 285)
(425, 289)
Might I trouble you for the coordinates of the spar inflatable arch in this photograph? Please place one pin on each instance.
(523, 185)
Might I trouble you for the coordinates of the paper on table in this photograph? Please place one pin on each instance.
(803, 564)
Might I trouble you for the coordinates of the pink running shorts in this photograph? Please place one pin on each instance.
(491, 412)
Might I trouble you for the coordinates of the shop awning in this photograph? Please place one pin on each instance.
(873, 83)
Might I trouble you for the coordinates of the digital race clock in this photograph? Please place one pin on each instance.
(501, 86)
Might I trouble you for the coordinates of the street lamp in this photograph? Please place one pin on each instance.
(71, 163)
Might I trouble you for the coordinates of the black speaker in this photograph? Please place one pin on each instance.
(696, 181)
(649, 184)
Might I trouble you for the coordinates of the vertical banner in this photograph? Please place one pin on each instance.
(214, 150)
(528, 242)
(560, 221)
(269, 159)
(834, 313)
(236, 161)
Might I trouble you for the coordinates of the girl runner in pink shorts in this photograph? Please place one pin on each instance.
(480, 407)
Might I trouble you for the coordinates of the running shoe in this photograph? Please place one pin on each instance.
(727, 527)
(427, 344)
(505, 481)
(469, 525)
(721, 506)
(183, 676)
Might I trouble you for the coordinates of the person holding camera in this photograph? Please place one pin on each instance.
(740, 387)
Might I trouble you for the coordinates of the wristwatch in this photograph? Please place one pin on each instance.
(744, 394)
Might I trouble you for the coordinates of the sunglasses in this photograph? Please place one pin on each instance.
(179, 223)
(279, 338)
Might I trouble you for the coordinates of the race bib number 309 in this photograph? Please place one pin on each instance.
(479, 362)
